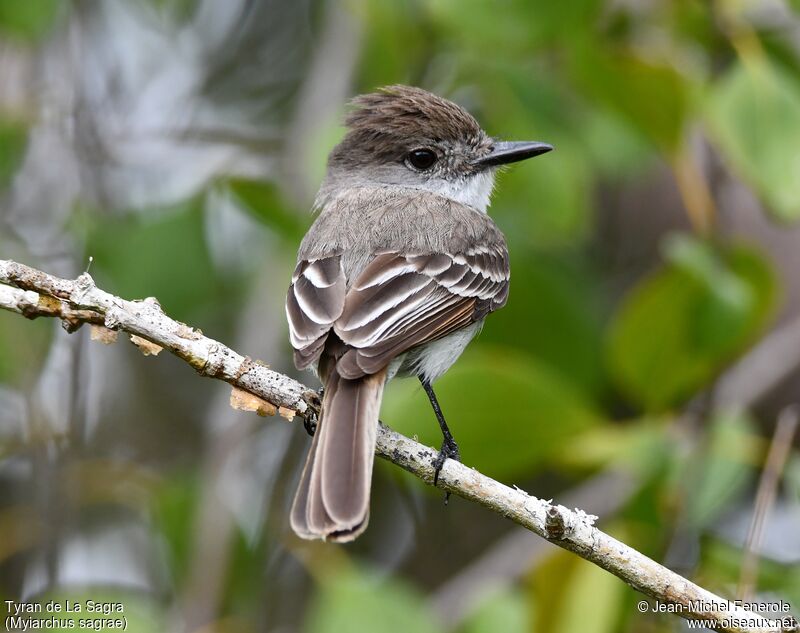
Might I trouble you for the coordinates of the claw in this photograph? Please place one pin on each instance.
(449, 450)
(310, 422)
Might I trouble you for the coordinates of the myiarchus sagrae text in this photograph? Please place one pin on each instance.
(396, 275)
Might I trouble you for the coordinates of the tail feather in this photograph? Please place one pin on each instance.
(298, 517)
(332, 500)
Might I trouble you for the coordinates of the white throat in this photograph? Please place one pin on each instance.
(473, 191)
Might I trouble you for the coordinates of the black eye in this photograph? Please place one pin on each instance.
(421, 159)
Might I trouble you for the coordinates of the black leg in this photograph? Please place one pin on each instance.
(449, 447)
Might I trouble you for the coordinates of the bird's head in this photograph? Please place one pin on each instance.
(406, 136)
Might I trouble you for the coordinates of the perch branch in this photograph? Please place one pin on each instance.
(81, 300)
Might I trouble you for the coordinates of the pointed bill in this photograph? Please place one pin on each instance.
(505, 152)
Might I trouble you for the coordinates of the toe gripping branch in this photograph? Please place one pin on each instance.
(311, 417)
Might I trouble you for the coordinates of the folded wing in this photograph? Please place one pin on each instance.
(313, 304)
(399, 301)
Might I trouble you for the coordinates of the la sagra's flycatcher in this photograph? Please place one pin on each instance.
(395, 276)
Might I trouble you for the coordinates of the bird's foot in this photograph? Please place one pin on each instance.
(310, 424)
(311, 418)
(449, 450)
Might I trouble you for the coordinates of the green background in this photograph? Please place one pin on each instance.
(180, 144)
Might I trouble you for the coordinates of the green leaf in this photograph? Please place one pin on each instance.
(678, 328)
(264, 201)
(728, 300)
(508, 612)
(726, 467)
(359, 602)
(555, 301)
(722, 566)
(139, 256)
(641, 446)
(792, 476)
(178, 11)
(618, 153)
(28, 19)
(13, 139)
(519, 28)
(23, 347)
(509, 413)
(397, 45)
(174, 511)
(652, 97)
(567, 588)
(753, 113)
(546, 203)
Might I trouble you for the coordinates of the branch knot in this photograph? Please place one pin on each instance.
(113, 317)
(554, 523)
(83, 285)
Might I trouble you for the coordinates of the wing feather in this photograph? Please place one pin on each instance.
(397, 302)
(313, 303)
(457, 292)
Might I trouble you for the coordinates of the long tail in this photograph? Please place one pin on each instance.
(332, 500)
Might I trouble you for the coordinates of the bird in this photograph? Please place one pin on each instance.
(394, 278)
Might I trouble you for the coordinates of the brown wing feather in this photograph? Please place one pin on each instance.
(313, 303)
(401, 301)
(396, 303)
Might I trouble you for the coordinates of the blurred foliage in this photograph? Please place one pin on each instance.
(730, 456)
(568, 590)
(488, 393)
(144, 257)
(350, 600)
(722, 562)
(624, 310)
(12, 144)
(24, 347)
(753, 112)
(678, 328)
(28, 20)
(264, 201)
(506, 611)
(651, 97)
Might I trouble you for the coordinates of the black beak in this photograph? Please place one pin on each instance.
(505, 152)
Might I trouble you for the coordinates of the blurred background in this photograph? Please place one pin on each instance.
(180, 144)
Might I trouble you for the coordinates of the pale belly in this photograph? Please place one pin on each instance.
(432, 360)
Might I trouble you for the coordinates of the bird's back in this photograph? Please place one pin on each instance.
(362, 222)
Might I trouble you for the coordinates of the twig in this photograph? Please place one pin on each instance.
(571, 530)
(517, 552)
(768, 363)
(147, 320)
(765, 497)
(31, 304)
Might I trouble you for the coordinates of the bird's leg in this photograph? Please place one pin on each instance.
(449, 447)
